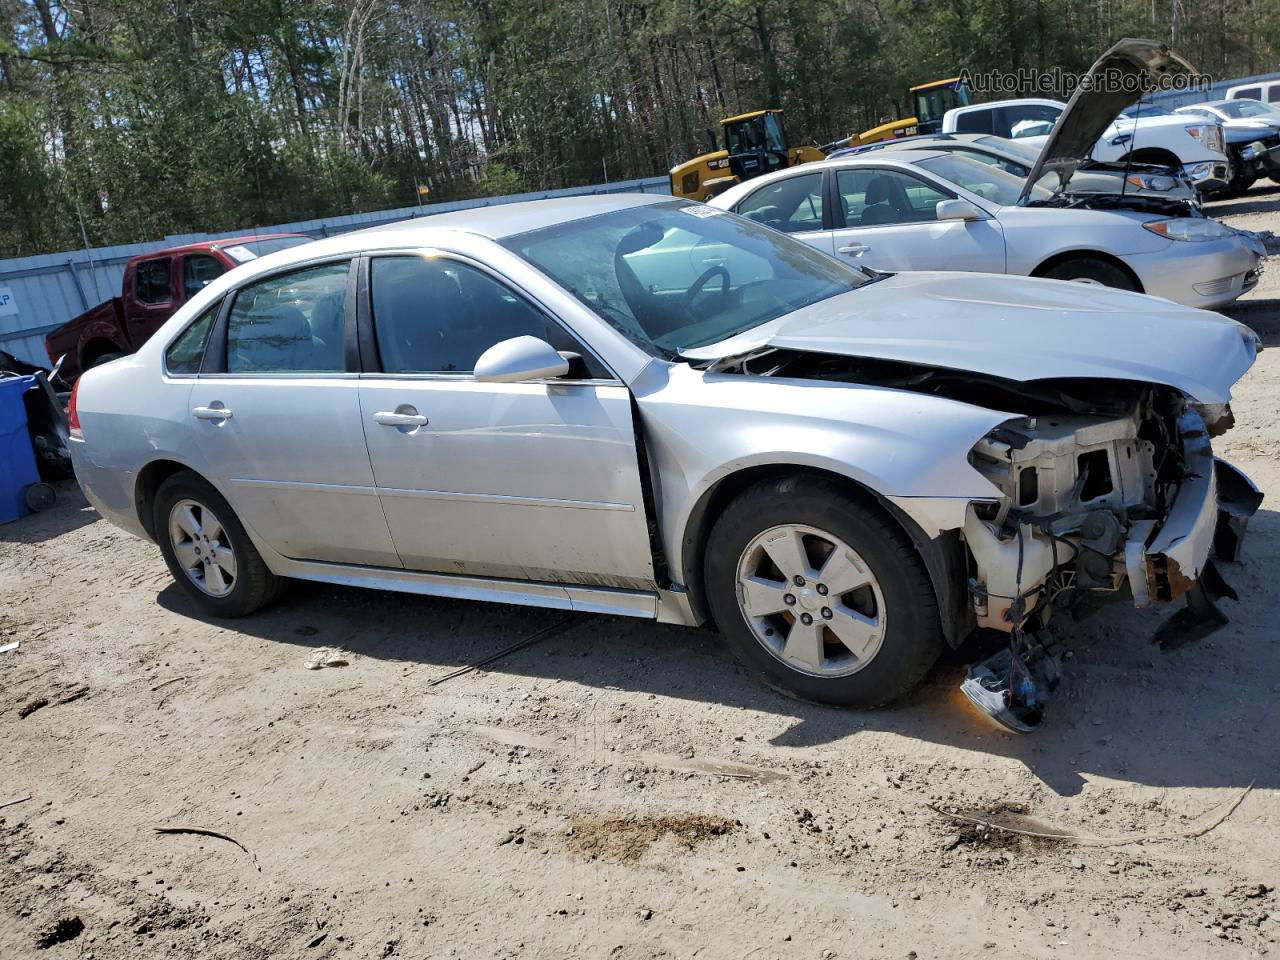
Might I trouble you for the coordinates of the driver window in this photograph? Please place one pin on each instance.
(792, 204)
(874, 198)
(435, 315)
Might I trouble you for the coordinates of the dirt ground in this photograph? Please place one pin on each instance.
(618, 789)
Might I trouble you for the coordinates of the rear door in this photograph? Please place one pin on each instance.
(536, 480)
(887, 220)
(276, 410)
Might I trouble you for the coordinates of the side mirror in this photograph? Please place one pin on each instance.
(520, 358)
(957, 210)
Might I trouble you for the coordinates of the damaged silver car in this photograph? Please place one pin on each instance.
(646, 407)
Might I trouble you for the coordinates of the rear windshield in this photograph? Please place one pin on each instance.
(252, 249)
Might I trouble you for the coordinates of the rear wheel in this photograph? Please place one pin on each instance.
(207, 549)
(1091, 270)
(105, 358)
(821, 595)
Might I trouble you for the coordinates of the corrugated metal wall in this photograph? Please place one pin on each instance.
(40, 293)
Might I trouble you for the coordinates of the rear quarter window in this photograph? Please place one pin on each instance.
(186, 354)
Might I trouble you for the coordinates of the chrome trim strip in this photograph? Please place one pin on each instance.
(502, 498)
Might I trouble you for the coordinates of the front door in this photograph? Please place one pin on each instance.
(890, 223)
(537, 480)
(278, 421)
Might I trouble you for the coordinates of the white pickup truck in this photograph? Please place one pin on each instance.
(1141, 133)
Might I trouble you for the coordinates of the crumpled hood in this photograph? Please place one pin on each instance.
(1016, 328)
(1095, 104)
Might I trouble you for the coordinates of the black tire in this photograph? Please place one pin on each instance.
(1093, 269)
(912, 641)
(39, 497)
(105, 358)
(253, 587)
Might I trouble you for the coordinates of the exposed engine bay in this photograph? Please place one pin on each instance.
(1103, 483)
(1140, 203)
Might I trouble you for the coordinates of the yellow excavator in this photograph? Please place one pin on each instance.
(756, 143)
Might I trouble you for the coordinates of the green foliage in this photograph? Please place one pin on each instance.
(144, 118)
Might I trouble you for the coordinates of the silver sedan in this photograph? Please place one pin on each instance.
(936, 210)
(651, 408)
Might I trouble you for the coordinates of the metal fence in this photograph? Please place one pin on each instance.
(40, 293)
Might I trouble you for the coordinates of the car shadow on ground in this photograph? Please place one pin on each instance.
(1263, 316)
(1203, 716)
(1260, 198)
(71, 512)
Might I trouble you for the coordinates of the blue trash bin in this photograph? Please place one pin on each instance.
(17, 458)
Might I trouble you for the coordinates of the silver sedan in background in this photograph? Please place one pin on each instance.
(939, 210)
(647, 407)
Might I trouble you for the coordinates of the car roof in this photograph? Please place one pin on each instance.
(897, 156)
(918, 141)
(501, 220)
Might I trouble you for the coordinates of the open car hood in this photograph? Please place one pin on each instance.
(1119, 79)
(1014, 328)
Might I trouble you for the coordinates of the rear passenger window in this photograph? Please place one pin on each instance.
(434, 315)
(290, 323)
(1250, 93)
(151, 283)
(187, 352)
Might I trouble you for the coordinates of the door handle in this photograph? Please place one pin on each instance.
(394, 419)
(211, 413)
(857, 249)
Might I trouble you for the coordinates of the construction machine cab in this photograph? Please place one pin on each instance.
(932, 100)
(754, 143)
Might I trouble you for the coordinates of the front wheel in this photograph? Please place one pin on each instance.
(1092, 270)
(208, 552)
(821, 594)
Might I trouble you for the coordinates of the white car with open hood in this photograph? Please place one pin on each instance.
(935, 209)
(1103, 122)
(642, 406)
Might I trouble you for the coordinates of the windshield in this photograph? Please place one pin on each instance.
(675, 275)
(248, 250)
(989, 182)
(1238, 109)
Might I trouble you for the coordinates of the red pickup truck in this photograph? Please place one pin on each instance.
(155, 285)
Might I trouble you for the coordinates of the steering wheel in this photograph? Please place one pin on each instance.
(696, 287)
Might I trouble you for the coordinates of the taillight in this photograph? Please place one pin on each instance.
(73, 415)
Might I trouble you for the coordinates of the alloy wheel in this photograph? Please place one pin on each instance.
(202, 547)
(811, 600)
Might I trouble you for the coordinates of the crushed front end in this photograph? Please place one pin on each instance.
(1094, 499)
